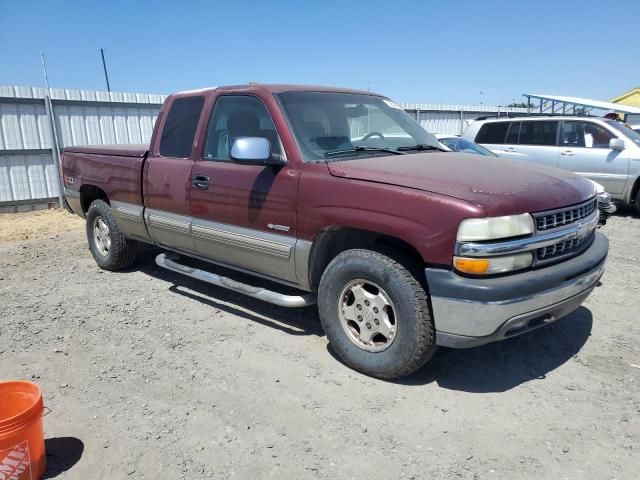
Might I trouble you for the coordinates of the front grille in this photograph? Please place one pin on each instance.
(564, 217)
(562, 249)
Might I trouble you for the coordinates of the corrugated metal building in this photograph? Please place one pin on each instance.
(27, 169)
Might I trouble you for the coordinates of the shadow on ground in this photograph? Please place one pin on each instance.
(294, 321)
(626, 211)
(501, 366)
(62, 454)
(496, 367)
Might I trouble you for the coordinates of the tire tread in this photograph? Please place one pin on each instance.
(123, 250)
(392, 262)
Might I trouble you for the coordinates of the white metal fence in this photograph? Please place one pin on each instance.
(27, 164)
(81, 117)
(452, 119)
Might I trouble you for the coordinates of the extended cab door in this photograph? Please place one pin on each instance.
(167, 175)
(584, 149)
(244, 216)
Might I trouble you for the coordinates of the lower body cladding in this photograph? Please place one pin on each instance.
(277, 257)
(469, 312)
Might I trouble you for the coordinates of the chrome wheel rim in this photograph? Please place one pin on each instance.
(101, 236)
(367, 315)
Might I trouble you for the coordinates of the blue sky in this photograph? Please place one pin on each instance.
(412, 51)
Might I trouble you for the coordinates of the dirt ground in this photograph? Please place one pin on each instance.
(37, 224)
(150, 375)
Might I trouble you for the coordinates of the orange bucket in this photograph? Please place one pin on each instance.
(22, 454)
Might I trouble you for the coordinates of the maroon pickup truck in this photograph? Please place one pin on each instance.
(341, 195)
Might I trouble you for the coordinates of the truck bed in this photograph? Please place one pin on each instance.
(115, 170)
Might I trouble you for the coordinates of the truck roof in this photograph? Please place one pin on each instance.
(275, 88)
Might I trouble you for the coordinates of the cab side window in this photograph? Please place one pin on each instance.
(237, 116)
(180, 127)
(585, 134)
(538, 132)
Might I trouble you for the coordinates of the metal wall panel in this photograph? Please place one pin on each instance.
(27, 177)
(452, 119)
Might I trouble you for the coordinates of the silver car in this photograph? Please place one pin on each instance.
(603, 150)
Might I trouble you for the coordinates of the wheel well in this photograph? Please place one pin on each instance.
(90, 193)
(634, 190)
(332, 241)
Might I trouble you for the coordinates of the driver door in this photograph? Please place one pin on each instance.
(244, 216)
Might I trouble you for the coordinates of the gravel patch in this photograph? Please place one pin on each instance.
(151, 375)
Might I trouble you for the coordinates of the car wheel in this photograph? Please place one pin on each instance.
(109, 247)
(375, 314)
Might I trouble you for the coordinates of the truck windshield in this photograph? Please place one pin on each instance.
(338, 126)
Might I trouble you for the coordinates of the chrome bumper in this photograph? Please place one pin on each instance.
(469, 312)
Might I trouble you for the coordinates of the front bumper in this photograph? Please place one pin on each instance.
(469, 312)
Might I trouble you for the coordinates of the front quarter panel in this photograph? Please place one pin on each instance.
(427, 221)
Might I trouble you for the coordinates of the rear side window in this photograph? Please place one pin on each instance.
(538, 133)
(180, 127)
(492, 133)
(514, 132)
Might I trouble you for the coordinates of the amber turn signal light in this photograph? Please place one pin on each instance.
(493, 265)
(474, 266)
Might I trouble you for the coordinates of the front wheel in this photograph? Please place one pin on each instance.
(375, 314)
(109, 247)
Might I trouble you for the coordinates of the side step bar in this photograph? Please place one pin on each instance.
(219, 281)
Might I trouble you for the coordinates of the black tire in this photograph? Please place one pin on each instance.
(121, 252)
(638, 202)
(414, 343)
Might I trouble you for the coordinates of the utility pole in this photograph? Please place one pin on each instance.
(104, 66)
(55, 148)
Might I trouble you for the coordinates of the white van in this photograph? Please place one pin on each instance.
(603, 150)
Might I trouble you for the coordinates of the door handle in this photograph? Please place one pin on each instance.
(200, 182)
(567, 153)
(509, 149)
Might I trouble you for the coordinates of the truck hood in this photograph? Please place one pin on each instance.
(501, 187)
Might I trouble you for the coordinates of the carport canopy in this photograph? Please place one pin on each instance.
(558, 105)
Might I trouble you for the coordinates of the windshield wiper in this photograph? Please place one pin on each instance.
(420, 147)
(362, 149)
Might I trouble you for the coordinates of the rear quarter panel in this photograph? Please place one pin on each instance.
(118, 176)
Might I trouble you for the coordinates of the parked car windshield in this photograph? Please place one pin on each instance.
(624, 128)
(458, 144)
(341, 126)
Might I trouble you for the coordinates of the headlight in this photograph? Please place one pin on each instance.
(493, 265)
(492, 228)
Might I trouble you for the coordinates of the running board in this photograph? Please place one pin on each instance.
(263, 294)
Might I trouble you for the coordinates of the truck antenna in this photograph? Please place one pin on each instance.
(104, 66)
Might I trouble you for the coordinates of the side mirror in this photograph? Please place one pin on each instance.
(616, 144)
(254, 151)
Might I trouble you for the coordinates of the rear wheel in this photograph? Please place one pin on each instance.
(109, 247)
(375, 314)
